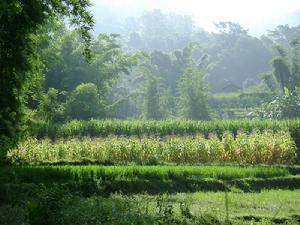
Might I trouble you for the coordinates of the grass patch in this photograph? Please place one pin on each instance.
(86, 173)
(55, 205)
(104, 180)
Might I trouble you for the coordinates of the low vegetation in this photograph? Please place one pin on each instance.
(209, 208)
(96, 128)
(79, 173)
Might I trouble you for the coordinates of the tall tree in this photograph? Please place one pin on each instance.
(20, 22)
(193, 94)
(286, 67)
(152, 103)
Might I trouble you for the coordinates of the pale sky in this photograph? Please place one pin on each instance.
(246, 12)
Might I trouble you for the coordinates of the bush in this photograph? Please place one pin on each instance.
(193, 95)
(284, 106)
(50, 108)
(85, 102)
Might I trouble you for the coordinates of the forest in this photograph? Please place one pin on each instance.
(151, 119)
(167, 68)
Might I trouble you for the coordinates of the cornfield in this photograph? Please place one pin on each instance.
(257, 147)
(100, 128)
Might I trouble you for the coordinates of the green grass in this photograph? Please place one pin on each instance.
(77, 173)
(266, 204)
(136, 173)
(57, 206)
(104, 180)
(91, 194)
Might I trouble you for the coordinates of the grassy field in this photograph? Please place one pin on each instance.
(267, 207)
(105, 180)
(266, 204)
(143, 172)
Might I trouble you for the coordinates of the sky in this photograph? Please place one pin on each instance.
(248, 13)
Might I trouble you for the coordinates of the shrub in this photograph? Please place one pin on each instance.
(85, 102)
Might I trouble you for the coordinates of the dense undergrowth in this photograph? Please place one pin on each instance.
(37, 204)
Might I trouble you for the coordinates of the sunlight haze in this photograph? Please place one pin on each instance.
(247, 13)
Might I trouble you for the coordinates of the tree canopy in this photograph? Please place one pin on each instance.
(20, 22)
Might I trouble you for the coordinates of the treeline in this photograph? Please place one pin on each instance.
(139, 76)
(114, 83)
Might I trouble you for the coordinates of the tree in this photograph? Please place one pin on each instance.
(66, 68)
(286, 67)
(282, 35)
(152, 104)
(20, 22)
(281, 72)
(286, 70)
(50, 108)
(193, 94)
(270, 81)
(167, 103)
(155, 30)
(233, 55)
(85, 102)
(286, 105)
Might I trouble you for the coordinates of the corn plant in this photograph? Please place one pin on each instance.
(258, 147)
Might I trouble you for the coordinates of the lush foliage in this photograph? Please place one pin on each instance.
(85, 102)
(152, 104)
(286, 105)
(286, 66)
(231, 52)
(163, 66)
(287, 74)
(50, 108)
(20, 22)
(193, 94)
(55, 205)
(67, 71)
